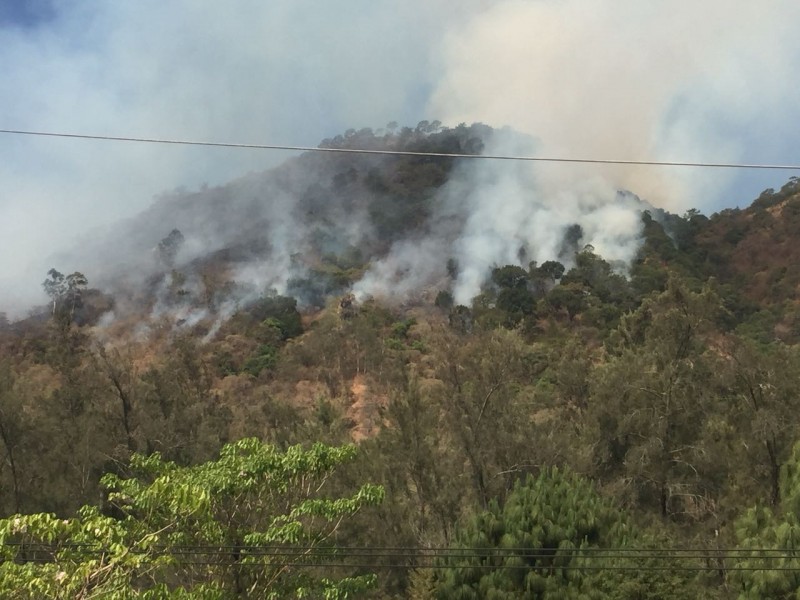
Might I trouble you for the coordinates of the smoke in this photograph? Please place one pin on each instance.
(406, 271)
(616, 79)
(285, 71)
(682, 82)
(608, 80)
(495, 213)
(629, 80)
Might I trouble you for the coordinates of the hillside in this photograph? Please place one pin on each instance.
(614, 350)
(310, 226)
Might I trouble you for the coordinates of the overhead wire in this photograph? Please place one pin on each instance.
(510, 157)
(398, 550)
(404, 557)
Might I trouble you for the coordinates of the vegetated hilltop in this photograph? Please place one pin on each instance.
(309, 227)
(573, 401)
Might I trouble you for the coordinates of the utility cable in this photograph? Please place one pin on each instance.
(451, 552)
(460, 554)
(549, 159)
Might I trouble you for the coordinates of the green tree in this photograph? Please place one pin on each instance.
(570, 297)
(66, 293)
(510, 276)
(535, 545)
(768, 542)
(195, 532)
(513, 297)
(545, 276)
(607, 294)
(762, 382)
(651, 400)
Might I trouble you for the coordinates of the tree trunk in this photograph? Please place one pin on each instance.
(11, 463)
(774, 473)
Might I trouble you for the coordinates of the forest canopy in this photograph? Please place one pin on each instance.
(417, 444)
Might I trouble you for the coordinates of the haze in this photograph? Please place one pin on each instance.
(661, 81)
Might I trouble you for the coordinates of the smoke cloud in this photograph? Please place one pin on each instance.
(285, 71)
(670, 81)
(492, 214)
(620, 79)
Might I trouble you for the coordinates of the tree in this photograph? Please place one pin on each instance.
(768, 539)
(412, 446)
(122, 376)
(650, 401)
(486, 408)
(513, 297)
(510, 276)
(10, 434)
(65, 293)
(597, 277)
(570, 297)
(174, 409)
(762, 382)
(249, 525)
(54, 287)
(535, 545)
(545, 276)
(169, 247)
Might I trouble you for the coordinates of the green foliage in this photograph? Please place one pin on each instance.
(508, 302)
(279, 312)
(768, 540)
(597, 277)
(536, 543)
(590, 289)
(759, 326)
(568, 297)
(252, 497)
(510, 276)
(401, 328)
(265, 358)
(552, 270)
(444, 300)
(762, 383)
(66, 293)
(650, 400)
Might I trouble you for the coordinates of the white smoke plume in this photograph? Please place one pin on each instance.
(624, 79)
(606, 79)
(495, 213)
(679, 81)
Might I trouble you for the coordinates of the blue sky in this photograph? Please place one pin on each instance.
(676, 80)
(25, 13)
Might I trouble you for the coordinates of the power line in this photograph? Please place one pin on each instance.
(442, 567)
(550, 159)
(687, 560)
(253, 564)
(446, 551)
(340, 554)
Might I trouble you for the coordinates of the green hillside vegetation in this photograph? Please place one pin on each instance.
(568, 409)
